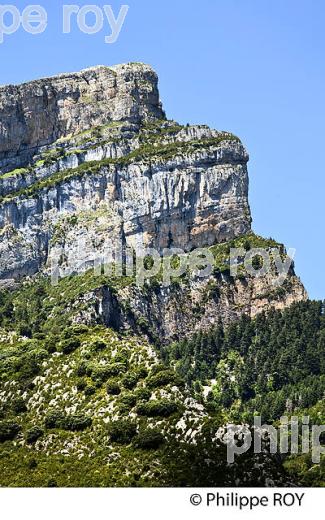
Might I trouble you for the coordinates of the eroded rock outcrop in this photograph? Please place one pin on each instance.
(97, 168)
(167, 314)
(102, 153)
(38, 113)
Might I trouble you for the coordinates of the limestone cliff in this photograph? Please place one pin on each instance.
(95, 146)
(89, 162)
(38, 113)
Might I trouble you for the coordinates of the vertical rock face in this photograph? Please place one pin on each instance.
(91, 165)
(94, 148)
(88, 166)
(38, 113)
(192, 198)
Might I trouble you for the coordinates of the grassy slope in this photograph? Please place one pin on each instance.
(48, 365)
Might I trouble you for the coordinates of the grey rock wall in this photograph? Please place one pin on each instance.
(40, 112)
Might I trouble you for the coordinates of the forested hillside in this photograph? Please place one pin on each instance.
(270, 365)
(73, 396)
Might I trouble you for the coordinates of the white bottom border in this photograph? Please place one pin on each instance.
(167, 504)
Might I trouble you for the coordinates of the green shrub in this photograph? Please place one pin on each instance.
(70, 345)
(130, 380)
(101, 373)
(52, 483)
(211, 407)
(51, 344)
(143, 324)
(19, 406)
(113, 388)
(128, 400)
(90, 390)
(158, 368)
(34, 434)
(39, 336)
(98, 345)
(122, 358)
(89, 369)
(257, 262)
(163, 378)
(8, 430)
(24, 329)
(122, 431)
(67, 333)
(155, 408)
(81, 369)
(81, 385)
(54, 419)
(149, 439)
(29, 364)
(142, 372)
(143, 394)
(117, 368)
(78, 329)
(77, 422)
(32, 464)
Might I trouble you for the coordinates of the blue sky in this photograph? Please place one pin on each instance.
(253, 67)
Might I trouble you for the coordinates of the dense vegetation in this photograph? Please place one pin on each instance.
(270, 365)
(79, 404)
(94, 408)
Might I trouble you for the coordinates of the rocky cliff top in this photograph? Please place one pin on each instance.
(89, 164)
(130, 67)
(98, 141)
(38, 113)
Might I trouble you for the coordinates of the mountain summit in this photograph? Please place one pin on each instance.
(105, 381)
